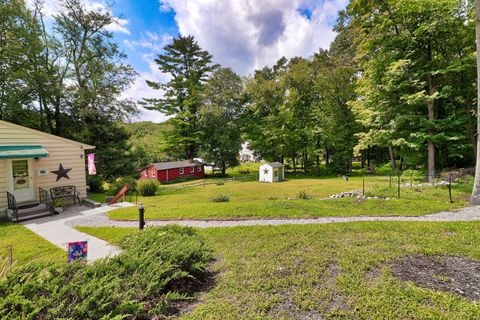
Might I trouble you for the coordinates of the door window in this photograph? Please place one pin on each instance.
(20, 174)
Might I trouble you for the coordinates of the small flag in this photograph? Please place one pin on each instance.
(91, 164)
(77, 251)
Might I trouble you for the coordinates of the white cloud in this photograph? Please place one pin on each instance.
(150, 40)
(250, 34)
(140, 90)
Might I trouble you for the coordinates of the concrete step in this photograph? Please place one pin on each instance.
(91, 203)
(28, 210)
(31, 215)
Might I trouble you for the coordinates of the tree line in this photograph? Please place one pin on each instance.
(397, 86)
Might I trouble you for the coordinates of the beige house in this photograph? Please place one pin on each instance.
(28, 159)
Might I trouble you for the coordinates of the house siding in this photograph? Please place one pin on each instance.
(61, 151)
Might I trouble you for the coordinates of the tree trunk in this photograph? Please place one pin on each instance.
(475, 198)
(392, 158)
(431, 118)
(471, 128)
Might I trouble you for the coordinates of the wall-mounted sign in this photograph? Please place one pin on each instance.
(42, 172)
(91, 164)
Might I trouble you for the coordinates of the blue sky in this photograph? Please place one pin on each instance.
(241, 34)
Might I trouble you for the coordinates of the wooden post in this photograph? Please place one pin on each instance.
(10, 255)
(363, 186)
(390, 178)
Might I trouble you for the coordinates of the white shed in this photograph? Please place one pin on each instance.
(271, 172)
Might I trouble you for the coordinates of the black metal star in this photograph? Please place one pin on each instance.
(61, 172)
(265, 171)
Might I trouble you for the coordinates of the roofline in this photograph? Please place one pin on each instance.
(83, 145)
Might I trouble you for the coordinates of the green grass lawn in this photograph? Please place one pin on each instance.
(27, 246)
(259, 200)
(338, 271)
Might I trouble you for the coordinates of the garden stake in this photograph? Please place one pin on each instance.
(141, 216)
(363, 188)
(450, 188)
(398, 191)
(390, 178)
(10, 255)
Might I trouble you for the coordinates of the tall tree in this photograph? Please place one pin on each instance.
(220, 119)
(189, 67)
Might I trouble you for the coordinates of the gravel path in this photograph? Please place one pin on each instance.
(101, 220)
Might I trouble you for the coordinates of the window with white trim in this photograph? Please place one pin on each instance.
(154, 174)
(192, 169)
(146, 173)
(199, 169)
(181, 170)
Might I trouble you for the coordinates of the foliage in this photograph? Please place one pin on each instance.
(58, 203)
(417, 81)
(147, 187)
(220, 198)
(113, 186)
(304, 195)
(155, 270)
(67, 78)
(189, 66)
(219, 120)
(95, 183)
(219, 182)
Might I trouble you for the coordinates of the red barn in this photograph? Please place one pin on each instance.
(168, 171)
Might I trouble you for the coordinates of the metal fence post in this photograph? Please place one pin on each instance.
(450, 188)
(398, 189)
(390, 178)
(141, 216)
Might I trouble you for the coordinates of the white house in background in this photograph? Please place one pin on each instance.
(271, 172)
(246, 154)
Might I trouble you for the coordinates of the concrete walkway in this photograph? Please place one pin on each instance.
(101, 220)
(56, 230)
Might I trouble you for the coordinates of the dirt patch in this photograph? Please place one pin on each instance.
(452, 274)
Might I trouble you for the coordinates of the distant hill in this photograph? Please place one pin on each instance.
(152, 140)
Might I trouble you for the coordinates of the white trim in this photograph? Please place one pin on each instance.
(192, 169)
(154, 174)
(22, 195)
(181, 170)
(199, 169)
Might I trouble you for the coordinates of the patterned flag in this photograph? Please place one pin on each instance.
(91, 164)
(77, 251)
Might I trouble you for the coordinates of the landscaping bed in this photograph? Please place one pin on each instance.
(155, 276)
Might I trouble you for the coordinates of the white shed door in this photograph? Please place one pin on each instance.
(20, 179)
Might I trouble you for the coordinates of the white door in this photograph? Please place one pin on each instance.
(20, 179)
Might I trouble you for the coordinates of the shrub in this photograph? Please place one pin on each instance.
(58, 203)
(220, 198)
(147, 187)
(156, 270)
(219, 182)
(95, 184)
(304, 195)
(115, 185)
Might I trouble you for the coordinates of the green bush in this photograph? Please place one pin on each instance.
(95, 184)
(220, 198)
(219, 182)
(303, 195)
(112, 187)
(157, 269)
(147, 187)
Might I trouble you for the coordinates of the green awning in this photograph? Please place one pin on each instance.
(15, 152)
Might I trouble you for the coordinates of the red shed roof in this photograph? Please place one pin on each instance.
(176, 164)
